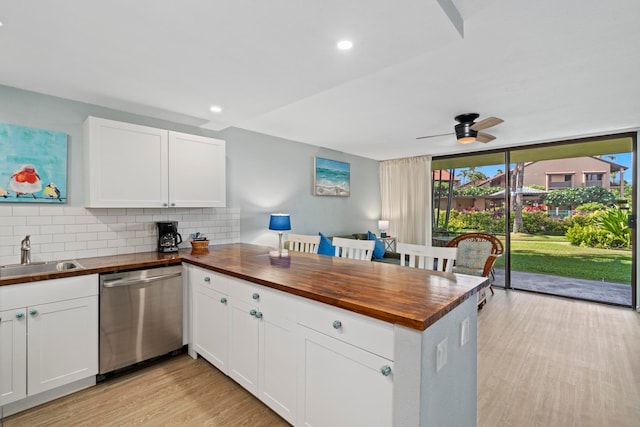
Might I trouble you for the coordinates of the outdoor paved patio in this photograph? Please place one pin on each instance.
(592, 290)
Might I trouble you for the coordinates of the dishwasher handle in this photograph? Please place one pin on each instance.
(114, 283)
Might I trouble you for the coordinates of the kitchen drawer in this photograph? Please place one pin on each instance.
(366, 333)
(47, 291)
(207, 278)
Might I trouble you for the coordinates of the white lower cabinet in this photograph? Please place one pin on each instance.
(49, 335)
(251, 337)
(13, 356)
(312, 364)
(210, 318)
(243, 345)
(346, 368)
(343, 384)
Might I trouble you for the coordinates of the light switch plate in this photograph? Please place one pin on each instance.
(441, 354)
(464, 331)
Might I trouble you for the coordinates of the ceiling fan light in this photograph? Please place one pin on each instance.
(467, 139)
(464, 134)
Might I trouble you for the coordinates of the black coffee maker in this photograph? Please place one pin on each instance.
(168, 236)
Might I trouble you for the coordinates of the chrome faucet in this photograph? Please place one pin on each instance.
(25, 250)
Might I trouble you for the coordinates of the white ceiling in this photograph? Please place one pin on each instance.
(551, 69)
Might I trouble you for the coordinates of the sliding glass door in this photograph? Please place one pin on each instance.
(570, 206)
(567, 208)
(469, 196)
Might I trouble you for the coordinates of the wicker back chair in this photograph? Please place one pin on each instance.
(477, 252)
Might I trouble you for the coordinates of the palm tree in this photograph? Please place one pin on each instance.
(517, 182)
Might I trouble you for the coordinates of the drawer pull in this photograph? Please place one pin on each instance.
(337, 324)
(33, 311)
(19, 315)
(386, 370)
(259, 315)
(253, 312)
(255, 296)
(223, 300)
(207, 279)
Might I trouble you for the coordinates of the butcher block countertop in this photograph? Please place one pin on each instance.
(405, 296)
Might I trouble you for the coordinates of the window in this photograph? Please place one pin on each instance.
(559, 180)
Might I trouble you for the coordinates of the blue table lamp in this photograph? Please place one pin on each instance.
(280, 222)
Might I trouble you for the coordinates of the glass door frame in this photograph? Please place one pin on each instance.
(507, 196)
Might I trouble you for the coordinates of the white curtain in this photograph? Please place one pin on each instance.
(405, 192)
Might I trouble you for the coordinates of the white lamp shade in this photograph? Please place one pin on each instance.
(383, 224)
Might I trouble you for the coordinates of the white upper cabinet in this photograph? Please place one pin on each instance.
(196, 171)
(129, 165)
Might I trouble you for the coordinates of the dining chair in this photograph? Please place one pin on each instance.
(477, 252)
(354, 249)
(303, 243)
(427, 257)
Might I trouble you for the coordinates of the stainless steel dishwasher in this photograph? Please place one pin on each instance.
(140, 315)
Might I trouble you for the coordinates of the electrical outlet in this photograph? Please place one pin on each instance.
(464, 331)
(441, 354)
(151, 229)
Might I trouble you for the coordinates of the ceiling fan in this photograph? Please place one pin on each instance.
(468, 130)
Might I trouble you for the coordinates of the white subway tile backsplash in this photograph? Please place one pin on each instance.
(68, 210)
(64, 237)
(38, 220)
(14, 220)
(63, 220)
(62, 232)
(26, 211)
(75, 228)
(97, 244)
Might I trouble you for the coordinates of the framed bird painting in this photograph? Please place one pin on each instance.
(33, 165)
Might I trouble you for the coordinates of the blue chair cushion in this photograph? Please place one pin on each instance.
(378, 249)
(325, 247)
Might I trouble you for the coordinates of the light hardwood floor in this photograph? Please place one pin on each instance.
(542, 361)
(550, 361)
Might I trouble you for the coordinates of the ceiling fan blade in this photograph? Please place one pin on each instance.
(486, 123)
(484, 137)
(435, 136)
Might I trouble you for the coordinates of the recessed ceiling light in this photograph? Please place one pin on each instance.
(215, 109)
(345, 44)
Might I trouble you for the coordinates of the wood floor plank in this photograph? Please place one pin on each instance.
(548, 361)
(542, 361)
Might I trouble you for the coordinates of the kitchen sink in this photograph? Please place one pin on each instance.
(38, 267)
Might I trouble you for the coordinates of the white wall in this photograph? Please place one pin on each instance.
(264, 175)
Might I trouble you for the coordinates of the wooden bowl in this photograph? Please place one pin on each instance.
(199, 247)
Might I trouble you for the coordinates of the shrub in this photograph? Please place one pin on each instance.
(539, 222)
(591, 207)
(606, 229)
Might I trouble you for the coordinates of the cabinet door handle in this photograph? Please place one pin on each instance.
(337, 324)
(33, 311)
(255, 295)
(259, 315)
(164, 204)
(173, 204)
(19, 315)
(386, 370)
(207, 279)
(223, 300)
(253, 312)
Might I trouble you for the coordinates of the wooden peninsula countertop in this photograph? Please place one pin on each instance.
(410, 297)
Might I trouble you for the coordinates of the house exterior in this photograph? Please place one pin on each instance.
(555, 174)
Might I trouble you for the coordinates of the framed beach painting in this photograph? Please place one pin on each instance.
(33, 165)
(331, 178)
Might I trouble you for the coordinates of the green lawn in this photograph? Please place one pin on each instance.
(554, 255)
